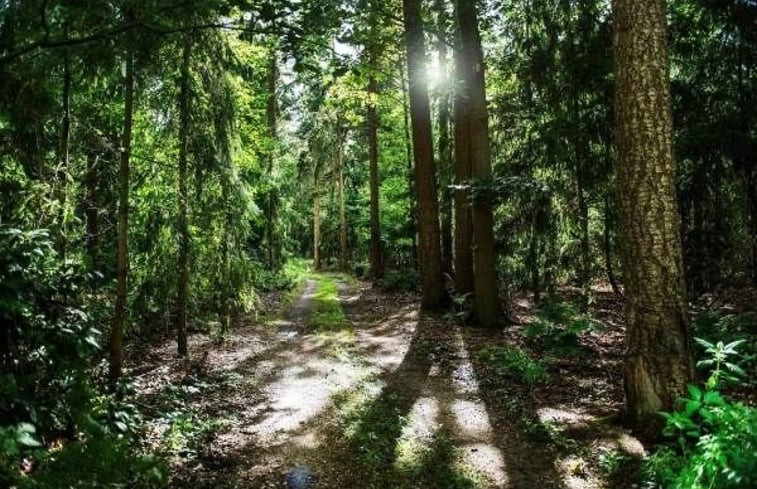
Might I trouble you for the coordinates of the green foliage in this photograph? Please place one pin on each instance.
(716, 443)
(558, 327)
(715, 330)
(514, 363)
(405, 280)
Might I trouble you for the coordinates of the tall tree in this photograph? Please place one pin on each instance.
(432, 281)
(445, 144)
(463, 237)
(658, 363)
(122, 259)
(372, 125)
(486, 298)
(184, 243)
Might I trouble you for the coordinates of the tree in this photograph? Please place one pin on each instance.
(122, 260)
(486, 297)
(184, 238)
(658, 363)
(432, 281)
(372, 125)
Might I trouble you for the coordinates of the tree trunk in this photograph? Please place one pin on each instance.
(91, 211)
(486, 297)
(445, 147)
(608, 251)
(317, 229)
(434, 295)
(752, 198)
(410, 170)
(122, 260)
(184, 238)
(272, 214)
(658, 362)
(63, 164)
(463, 217)
(343, 250)
(377, 266)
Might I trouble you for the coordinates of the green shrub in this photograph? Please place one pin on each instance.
(715, 439)
(514, 363)
(405, 280)
(558, 327)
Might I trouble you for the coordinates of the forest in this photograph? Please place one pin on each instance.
(378, 244)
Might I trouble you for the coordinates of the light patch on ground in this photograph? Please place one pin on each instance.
(487, 460)
(471, 419)
(422, 424)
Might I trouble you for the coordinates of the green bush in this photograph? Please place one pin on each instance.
(514, 363)
(715, 443)
(405, 280)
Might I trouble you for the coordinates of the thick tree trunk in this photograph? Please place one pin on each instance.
(434, 295)
(122, 260)
(445, 146)
(184, 243)
(463, 238)
(272, 214)
(377, 266)
(486, 297)
(658, 362)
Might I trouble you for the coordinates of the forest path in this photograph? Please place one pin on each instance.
(353, 388)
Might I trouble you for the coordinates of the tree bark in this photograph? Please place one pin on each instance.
(486, 297)
(445, 147)
(343, 250)
(377, 266)
(63, 164)
(184, 238)
(122, 260)
(463, 238)
(434, 295)
(410, 170)
(658, 362)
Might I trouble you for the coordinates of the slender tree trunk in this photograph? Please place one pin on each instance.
(434, 295)
(752, 203)
(584, 272)
(410, 171)
(317, 229)
(658, 362)
(122, 260)
(274, 240)
(445, 146)
(608, 251)
(63, 164)
(486, 297)
(184, 238)
(377, 266)
(91, 211)
(343, 250)
(463, 255)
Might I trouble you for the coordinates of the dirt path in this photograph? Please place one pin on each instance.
(385, 399)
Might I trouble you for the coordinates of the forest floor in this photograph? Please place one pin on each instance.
(346, 386)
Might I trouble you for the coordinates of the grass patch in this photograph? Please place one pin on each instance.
(327, 318)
